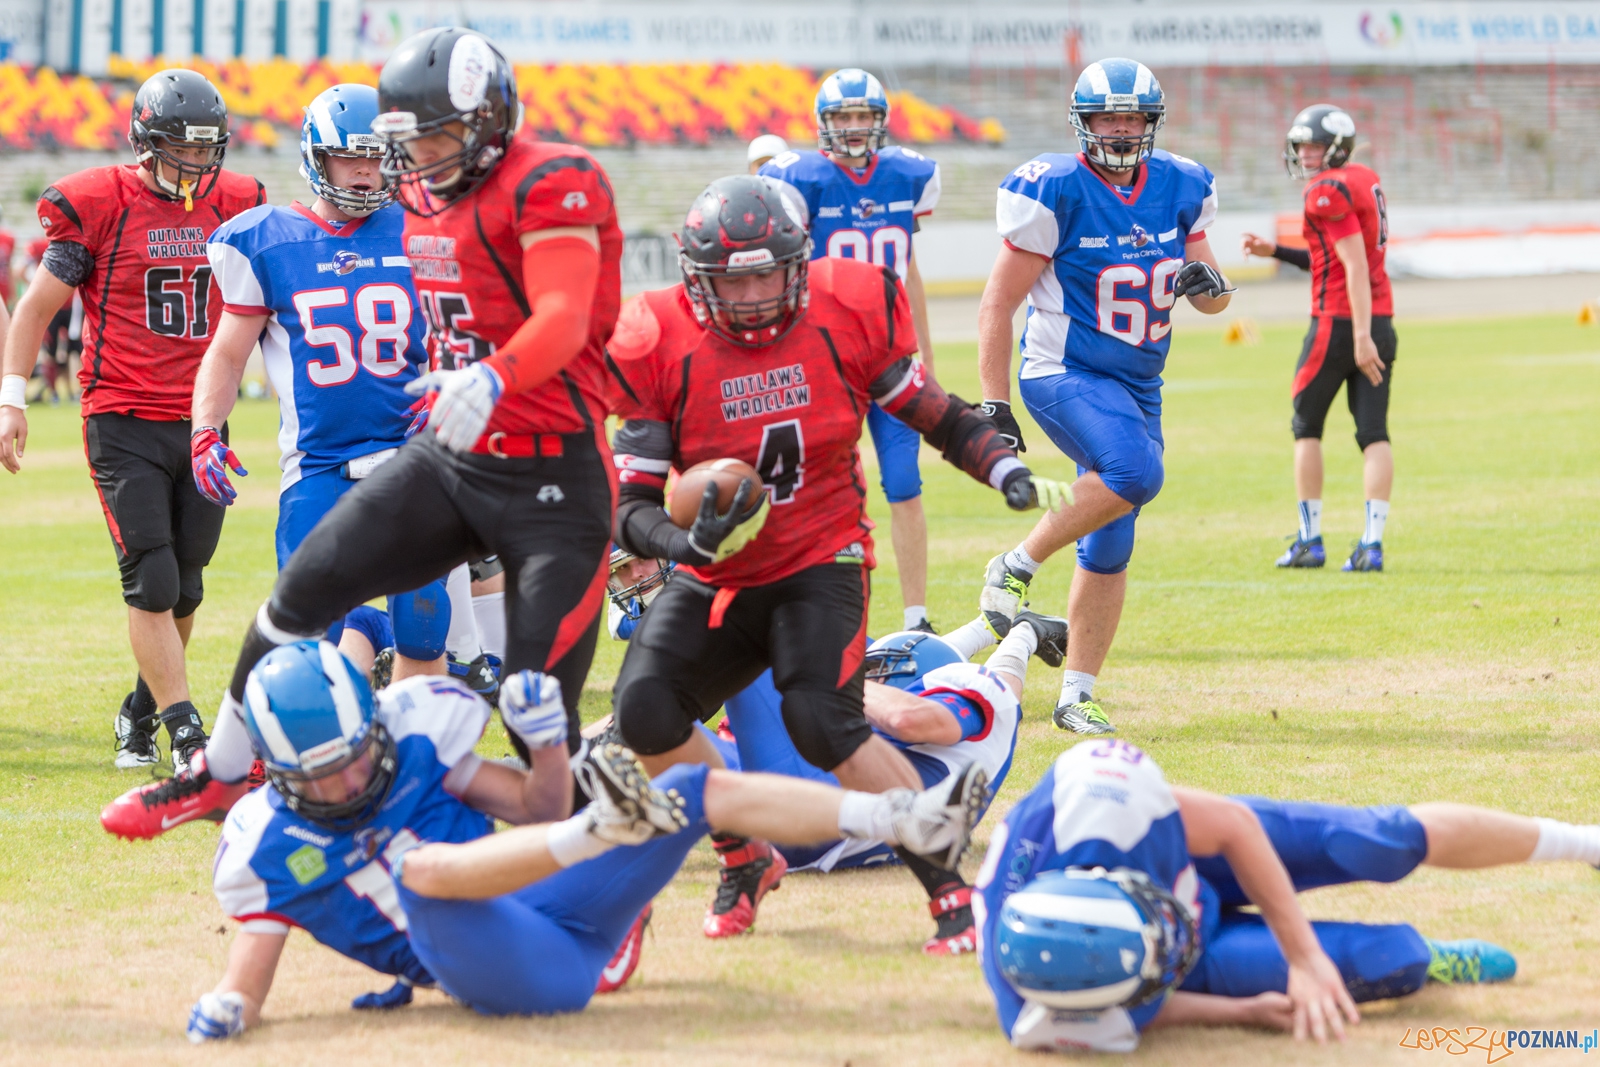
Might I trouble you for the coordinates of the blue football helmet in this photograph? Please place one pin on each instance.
(851, 88)
(310, 715)
(1087, 940)
(1118, 86)
(903, 657)
(339, 122)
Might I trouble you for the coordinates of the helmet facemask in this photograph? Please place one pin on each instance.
(299, 788)
(1117, 151)
(751, 324)
(357, 203)
(623, 593)
(835, 140)
(154, 151)
(428, 189)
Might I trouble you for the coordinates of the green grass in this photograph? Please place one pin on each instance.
(1467, 671)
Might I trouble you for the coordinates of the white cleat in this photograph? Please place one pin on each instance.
(627, 809)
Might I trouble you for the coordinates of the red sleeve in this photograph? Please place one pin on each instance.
(67, 212)
(1328, 202)
(565, 190)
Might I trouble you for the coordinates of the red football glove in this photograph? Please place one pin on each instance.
(210, 460)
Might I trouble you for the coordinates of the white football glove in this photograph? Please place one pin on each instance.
(531, 707)
(466, 400)
(216, 1017)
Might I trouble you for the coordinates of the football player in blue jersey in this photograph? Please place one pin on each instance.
(865, 200)
(1101, 244)
(1109, 903)
(375, 837)
(327, 292)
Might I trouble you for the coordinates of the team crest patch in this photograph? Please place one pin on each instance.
(345, 261)
(867, 208)
(367, 841)
(307, 863)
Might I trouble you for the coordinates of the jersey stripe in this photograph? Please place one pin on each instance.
(105, 292)
(59, 199)
(499, 265)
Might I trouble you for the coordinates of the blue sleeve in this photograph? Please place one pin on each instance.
(966, 712)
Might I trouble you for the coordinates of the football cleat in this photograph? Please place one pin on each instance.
(482, 676)
(1052, 633)
(615, 975)
(1001, 598)
(725, 731)
(382, 669)
(750, 870)
(187, 742)
(1365, 557)
(1304, 554)
(136, 746)
(627, 809)
(153, 809)
(937, 823)
(923, 627)
(956, 934)
(1469, 962)
(1082, 716)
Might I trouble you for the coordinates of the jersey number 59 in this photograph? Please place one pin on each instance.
(1121, 307)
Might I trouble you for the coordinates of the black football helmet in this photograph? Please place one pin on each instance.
(746, 224)
(180, 108)
(1324, 124)
(439, 77)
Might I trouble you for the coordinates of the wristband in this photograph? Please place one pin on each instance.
(14, 392)
(198, 430)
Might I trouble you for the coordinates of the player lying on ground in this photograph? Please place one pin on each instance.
(1101, 244)
(924, 698)
(1109, 903)
(332, 844)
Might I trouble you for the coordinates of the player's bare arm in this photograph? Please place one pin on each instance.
(1014, 273)
(1267, 1011)
(235, 1004)
(216, 385)
(907, 717)
(542, 793)
(1217, 826)
(1352, 252)
(918, 296)
(46, 295)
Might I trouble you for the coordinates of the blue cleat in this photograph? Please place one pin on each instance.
(1469, 962)
(1304, 554)
(1365, 557)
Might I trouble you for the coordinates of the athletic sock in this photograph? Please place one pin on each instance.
(462, 638)
(1311, 519)
(867, 817)
(143, 709)
(179, 715)
(1012, 655)
(1019, 560)
(936, 881)
(1564, 841)
(489, 609)
(1076, 686)
(915, 615)
(1377, 515)
(228, 752)
(970, 639)
(573, 840)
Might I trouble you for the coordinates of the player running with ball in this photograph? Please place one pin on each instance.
(1101, 244)
(765, 356)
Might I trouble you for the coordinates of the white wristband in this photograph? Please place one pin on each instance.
(14, 392)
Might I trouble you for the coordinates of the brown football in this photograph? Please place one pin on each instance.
(691, 486)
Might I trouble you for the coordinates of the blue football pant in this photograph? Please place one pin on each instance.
(1105, 427)
(898, 446)
(1320, 845)
(540, 949)
(423, 616)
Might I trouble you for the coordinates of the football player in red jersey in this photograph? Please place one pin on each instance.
(765, 356)
(1351, 341)
(132, 241)
(516, 254)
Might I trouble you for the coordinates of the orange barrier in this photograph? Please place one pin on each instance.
(590, 104)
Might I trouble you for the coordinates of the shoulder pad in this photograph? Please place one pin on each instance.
(861, 287)
(638, 330)
(239, 225)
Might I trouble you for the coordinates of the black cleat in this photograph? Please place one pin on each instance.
(923, 627)
(1052, 633)
(382, 669)
(1304, 554)
(186, 741)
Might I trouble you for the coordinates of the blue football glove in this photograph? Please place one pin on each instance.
(532, 708)
(466, 400)
(216, 1017)
(396, 996)
(210, 460)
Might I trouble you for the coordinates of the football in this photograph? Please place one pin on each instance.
(691, 486)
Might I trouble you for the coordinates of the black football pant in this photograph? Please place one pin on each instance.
(684, 661)
(429, 510)
(1327, 361)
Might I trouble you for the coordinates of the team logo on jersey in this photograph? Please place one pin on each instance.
(433, 258)
(867, 208)
(175, 242)
(367, 841)
(575, 201)
(750, 395)
(830, 212)
(307, 863)
(1138, 238)
(345, 261)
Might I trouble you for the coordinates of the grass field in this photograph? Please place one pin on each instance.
(1468, 671)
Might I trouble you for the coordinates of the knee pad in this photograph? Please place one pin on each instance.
(1108, 549)
(191, 590)
(900, 478)
(1382, 962)
(421, 621)
(648, 719)
(1139, 478)
(1304, 427)
(1370, 436)
(372, 624)
(1378, 844)
(150, 580)
(826, 726)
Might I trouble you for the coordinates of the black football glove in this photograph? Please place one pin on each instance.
(717, 537)
(1199, 278)
(1025, 490)
(999, 413)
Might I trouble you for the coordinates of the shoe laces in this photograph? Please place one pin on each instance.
(174, 789)
(1452, 967)
(139, 741)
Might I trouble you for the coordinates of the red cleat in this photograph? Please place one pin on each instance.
(153, 809)
(956, 935)
(750, 870)
(615, 974)
(725, 731)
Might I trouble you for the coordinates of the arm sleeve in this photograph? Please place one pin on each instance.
(559, 276)
(643, 454)
(236, 279)
(68, 261)
(1300, 257)
(948, 423)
